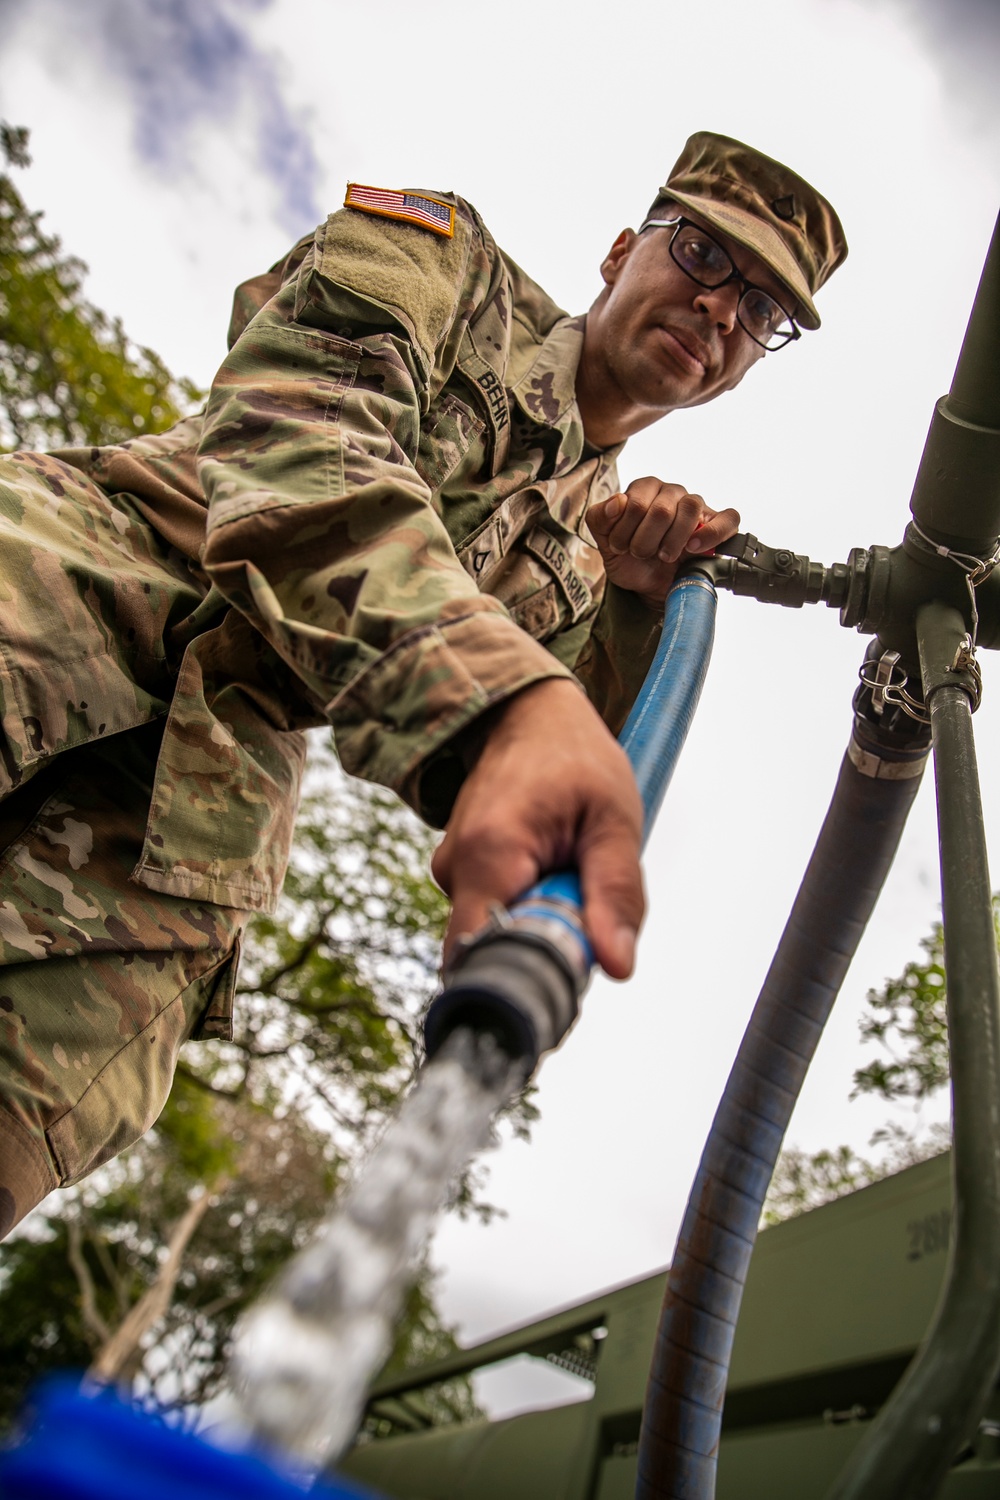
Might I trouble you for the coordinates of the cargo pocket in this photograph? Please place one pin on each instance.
(533, 569)
(446, 439)
(215, 1023)
(125, 1098)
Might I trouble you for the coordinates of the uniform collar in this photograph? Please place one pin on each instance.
(546, 393)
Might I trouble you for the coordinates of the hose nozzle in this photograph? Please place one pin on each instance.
(521, 977)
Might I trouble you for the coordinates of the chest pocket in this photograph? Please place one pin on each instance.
(543, 574)
(446, 439)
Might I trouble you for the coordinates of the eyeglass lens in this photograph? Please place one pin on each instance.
(705, 261)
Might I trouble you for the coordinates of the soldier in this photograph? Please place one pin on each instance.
(399, 515)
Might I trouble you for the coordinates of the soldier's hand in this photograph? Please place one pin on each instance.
(644, 535)
(551, 789)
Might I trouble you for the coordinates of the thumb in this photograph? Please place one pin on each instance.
(601, 518)
(613, 898)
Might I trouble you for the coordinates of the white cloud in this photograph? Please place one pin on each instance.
(187, 65)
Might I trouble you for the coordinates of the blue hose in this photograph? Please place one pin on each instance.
(653, 735)
(657, 727)
(523, 976)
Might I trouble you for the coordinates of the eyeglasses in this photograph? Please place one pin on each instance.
(708, 264)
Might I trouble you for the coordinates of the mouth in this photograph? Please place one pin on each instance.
(688, 350)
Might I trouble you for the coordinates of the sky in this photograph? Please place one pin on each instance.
(181, 145)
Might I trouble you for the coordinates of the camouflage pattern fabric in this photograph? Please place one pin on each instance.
(396, 480)
(392, 478)
(100, 981)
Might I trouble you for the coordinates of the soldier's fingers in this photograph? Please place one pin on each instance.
(643, 498)
(718, 527)
(601, 518)
(613, 899)
(479, 871)
(666, 526)
(643, 492)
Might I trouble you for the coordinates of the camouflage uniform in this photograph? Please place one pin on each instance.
(396, 479)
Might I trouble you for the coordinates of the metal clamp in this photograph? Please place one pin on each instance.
(888, 687)
(965, 664)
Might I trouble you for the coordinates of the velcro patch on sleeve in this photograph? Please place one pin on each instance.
(408, 208)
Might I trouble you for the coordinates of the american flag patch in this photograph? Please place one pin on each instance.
(410, 208)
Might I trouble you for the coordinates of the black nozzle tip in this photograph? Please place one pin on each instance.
(513, 986)
(483, 1010)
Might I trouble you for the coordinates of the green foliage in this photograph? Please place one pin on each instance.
(41, 1322)
(69, 376)
(802, 1181)
(909, 1018)
(190, 1128)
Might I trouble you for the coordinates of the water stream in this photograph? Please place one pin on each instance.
(304, 1354)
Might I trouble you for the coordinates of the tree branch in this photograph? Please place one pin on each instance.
(185, 1071)
(116, 1281)
(120, 1346)
(307, 947)
(93, 1321)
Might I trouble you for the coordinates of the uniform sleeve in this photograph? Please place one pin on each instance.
(321, 529)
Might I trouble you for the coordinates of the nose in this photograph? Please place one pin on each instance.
(719, 303)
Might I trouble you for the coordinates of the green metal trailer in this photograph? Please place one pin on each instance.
(836, 1303)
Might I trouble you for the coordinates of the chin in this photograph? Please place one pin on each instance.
(666, 395)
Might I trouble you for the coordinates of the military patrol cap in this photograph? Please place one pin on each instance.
(766, 207)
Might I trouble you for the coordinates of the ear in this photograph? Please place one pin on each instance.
(617, 256)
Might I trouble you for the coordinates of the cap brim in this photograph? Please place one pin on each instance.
(757, 236)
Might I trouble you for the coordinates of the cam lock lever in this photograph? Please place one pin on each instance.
(776, 575)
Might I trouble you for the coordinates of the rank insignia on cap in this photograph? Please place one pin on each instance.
(409, 208)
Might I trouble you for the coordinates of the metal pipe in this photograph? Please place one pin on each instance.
(975, 392)
(956, 510)
(956, 496)
(936, 1407)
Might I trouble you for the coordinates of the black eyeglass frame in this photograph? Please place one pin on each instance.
(746, 286)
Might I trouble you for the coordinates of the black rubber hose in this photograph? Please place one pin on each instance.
(935, 1410)
(682, 1419)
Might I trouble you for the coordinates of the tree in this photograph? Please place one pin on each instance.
(909, 1016)
(908, 1019)
(134, 1273)
(69, 375)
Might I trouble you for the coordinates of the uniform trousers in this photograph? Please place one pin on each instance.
(101, 980)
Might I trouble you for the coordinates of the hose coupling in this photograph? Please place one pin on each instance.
(521, 977)
(776, 575)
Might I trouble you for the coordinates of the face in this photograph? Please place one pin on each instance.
(656, 340)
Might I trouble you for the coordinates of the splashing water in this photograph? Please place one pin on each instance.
(305, 1353)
